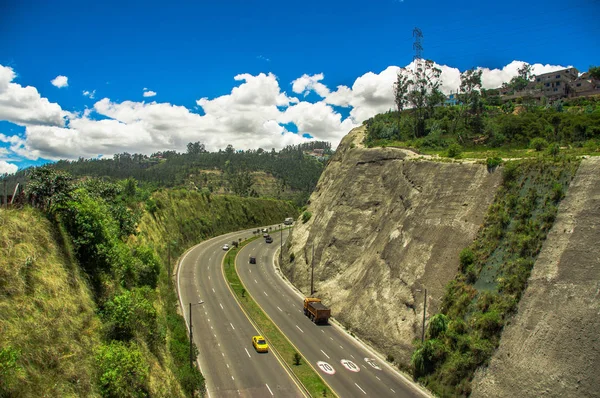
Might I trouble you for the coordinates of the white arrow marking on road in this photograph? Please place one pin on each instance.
(371, 361)
(269, 389)
(247, 353)
(360, 388)
(299, 329)
(325, 354)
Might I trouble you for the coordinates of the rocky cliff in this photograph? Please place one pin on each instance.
(385, 226)
(551, 348)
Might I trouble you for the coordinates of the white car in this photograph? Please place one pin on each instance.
(225, 247)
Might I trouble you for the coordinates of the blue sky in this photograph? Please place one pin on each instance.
(186, 51)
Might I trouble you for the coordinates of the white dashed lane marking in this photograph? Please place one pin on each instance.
(247, 352)
(360, 388)
(325, 354)
(300, 329)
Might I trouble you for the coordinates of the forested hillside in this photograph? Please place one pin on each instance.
(87, 304)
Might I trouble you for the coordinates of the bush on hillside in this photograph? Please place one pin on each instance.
(122, 371)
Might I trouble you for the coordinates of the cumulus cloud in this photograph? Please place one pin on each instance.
(60, 81)
(89, 94)
(254, 114)
(24, 105)
(6, 167)
(149, 93)
(306, 83)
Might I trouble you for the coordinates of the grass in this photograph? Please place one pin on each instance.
(311, 380)
(48, 327)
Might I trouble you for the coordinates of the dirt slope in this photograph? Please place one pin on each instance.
(552, 347)
(384, 226)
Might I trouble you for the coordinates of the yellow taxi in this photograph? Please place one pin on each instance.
(260, 344)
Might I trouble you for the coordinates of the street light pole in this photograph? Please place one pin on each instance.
(424, 309)
(280, 245)
(312, 271)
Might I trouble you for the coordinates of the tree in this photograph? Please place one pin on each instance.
(48, 188)
(524, 76)
(469, 97)
(195, 148)
(401, 88)
(594, 72)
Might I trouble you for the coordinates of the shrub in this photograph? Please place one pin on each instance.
(454, 151)
(389, 358)
(437, 325)
(130, 313)
(492, 163)
(306, 216)
(9, 369)
(147, 268)
(297, 359)
(467, 257)
(553, 150)
(539, 144)
(122, 370)
(292, 257)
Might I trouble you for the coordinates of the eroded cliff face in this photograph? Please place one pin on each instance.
(385, 226)
(551, 347)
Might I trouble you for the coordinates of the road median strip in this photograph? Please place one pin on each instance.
(312, 382)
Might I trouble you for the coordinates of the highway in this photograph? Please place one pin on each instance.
(357, 371)
(222, 332)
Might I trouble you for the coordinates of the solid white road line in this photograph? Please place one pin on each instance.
(247, 353)
(360, 388)
(269, 389)
(325, 354)
(300, 329)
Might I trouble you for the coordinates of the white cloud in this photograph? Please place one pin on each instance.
(254, 114)
(306, 84)
(60, 81)
(89, 94)
(24, 105)
(6, 167)
(149, 93)
(493, 78)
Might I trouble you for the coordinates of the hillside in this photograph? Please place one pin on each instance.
(386, 224)
(89, 309)
(551, 348)
(384, 227)
(48, 326)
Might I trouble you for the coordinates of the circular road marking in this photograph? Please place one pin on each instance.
(371, 361)
(351, 366)
(326, 368)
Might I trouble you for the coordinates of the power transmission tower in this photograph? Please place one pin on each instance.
(418, 47)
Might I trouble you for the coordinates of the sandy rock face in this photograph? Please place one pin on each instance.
(385, 226)
(552, 348)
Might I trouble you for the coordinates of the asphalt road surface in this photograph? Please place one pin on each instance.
(221, 331)
(349, 368)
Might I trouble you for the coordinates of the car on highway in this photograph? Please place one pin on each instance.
(252, 260)
(225, 247)
(268, 239)
(260, 344)
(265, 235)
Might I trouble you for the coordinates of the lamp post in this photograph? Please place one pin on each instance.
(191, 335)
(424, 309)
(280, 245)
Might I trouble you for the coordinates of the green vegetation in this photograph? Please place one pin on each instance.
(276, 339)
(306, 216)
(477, 123)
(492, 276)
(289, 174)
(87, 304)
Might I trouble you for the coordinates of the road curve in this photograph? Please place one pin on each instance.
(358, 372)
(222, 332)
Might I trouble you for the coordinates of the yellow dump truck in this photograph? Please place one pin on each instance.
(315, 310)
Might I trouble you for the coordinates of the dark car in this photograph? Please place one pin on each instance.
(252, 260)
(268, 239)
